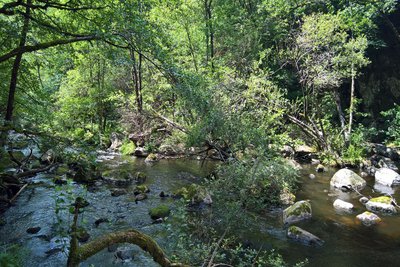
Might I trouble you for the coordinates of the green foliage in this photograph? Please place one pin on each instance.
(392, 118)
(127, 147)
(256, 185)
(197, 238)
(11, 256)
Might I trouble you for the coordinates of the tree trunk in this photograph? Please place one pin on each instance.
(17, 64)
(209, 33)
(342, 118)
(351, 108)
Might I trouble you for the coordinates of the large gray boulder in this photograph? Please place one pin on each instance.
(387, 177)
(381, 204)
(297, 234)
(299, 211)
(347, 178)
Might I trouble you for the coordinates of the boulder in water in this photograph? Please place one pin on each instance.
(387, 177)
(141, 152)
(381, 204)
(297, 234)
(33, 230)
(320, 168)
(343, 205)
(299, 211)
(151, 158)
(140, 197)
(347, 178)
(118, 192)
(368, 218)
(159, 212)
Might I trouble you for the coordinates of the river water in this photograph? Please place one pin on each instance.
(347, 242)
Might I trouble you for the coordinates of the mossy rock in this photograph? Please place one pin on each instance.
(297, 234)
(82, 235)
(159, 212)
(141, 177)
(381, 204)
(299, 211)
(151, 158)
(142, 189)
(180, 193)
(368, 218)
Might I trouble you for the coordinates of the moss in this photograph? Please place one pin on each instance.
(294, 230)
(127, 148)
(141, 177)
(299, 208)
(383, 200)
(142, 189)
(161, 211)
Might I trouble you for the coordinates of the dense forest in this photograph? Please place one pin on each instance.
(253, 89)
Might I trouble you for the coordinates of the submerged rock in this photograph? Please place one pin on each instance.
(387, 177)
(343, 205)
(161, 211)
(140, 177)
(297, 234)
(368, 218)
(82, 235)
(381, 204)
(140, 197)
(118, 192)
(100, 221)
(347, 178)
(141, 189)
(33, 230)
(124, 253)
(299, 211)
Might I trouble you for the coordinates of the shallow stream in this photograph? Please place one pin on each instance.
(347, 242)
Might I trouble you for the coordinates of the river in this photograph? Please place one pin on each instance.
(347, 242)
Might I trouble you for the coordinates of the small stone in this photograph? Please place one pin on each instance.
(368, 218)
(141, 197)
(320, 168)
(112, 248)
(118, 192)
(315, 161)
(33, 230)
(363, 200)
(100, 221)
(342, 205)
(59, 181)
(82, 235)
(163, 195)
(363, 174)
(311, 176)
(124, 253)
(207, 199)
